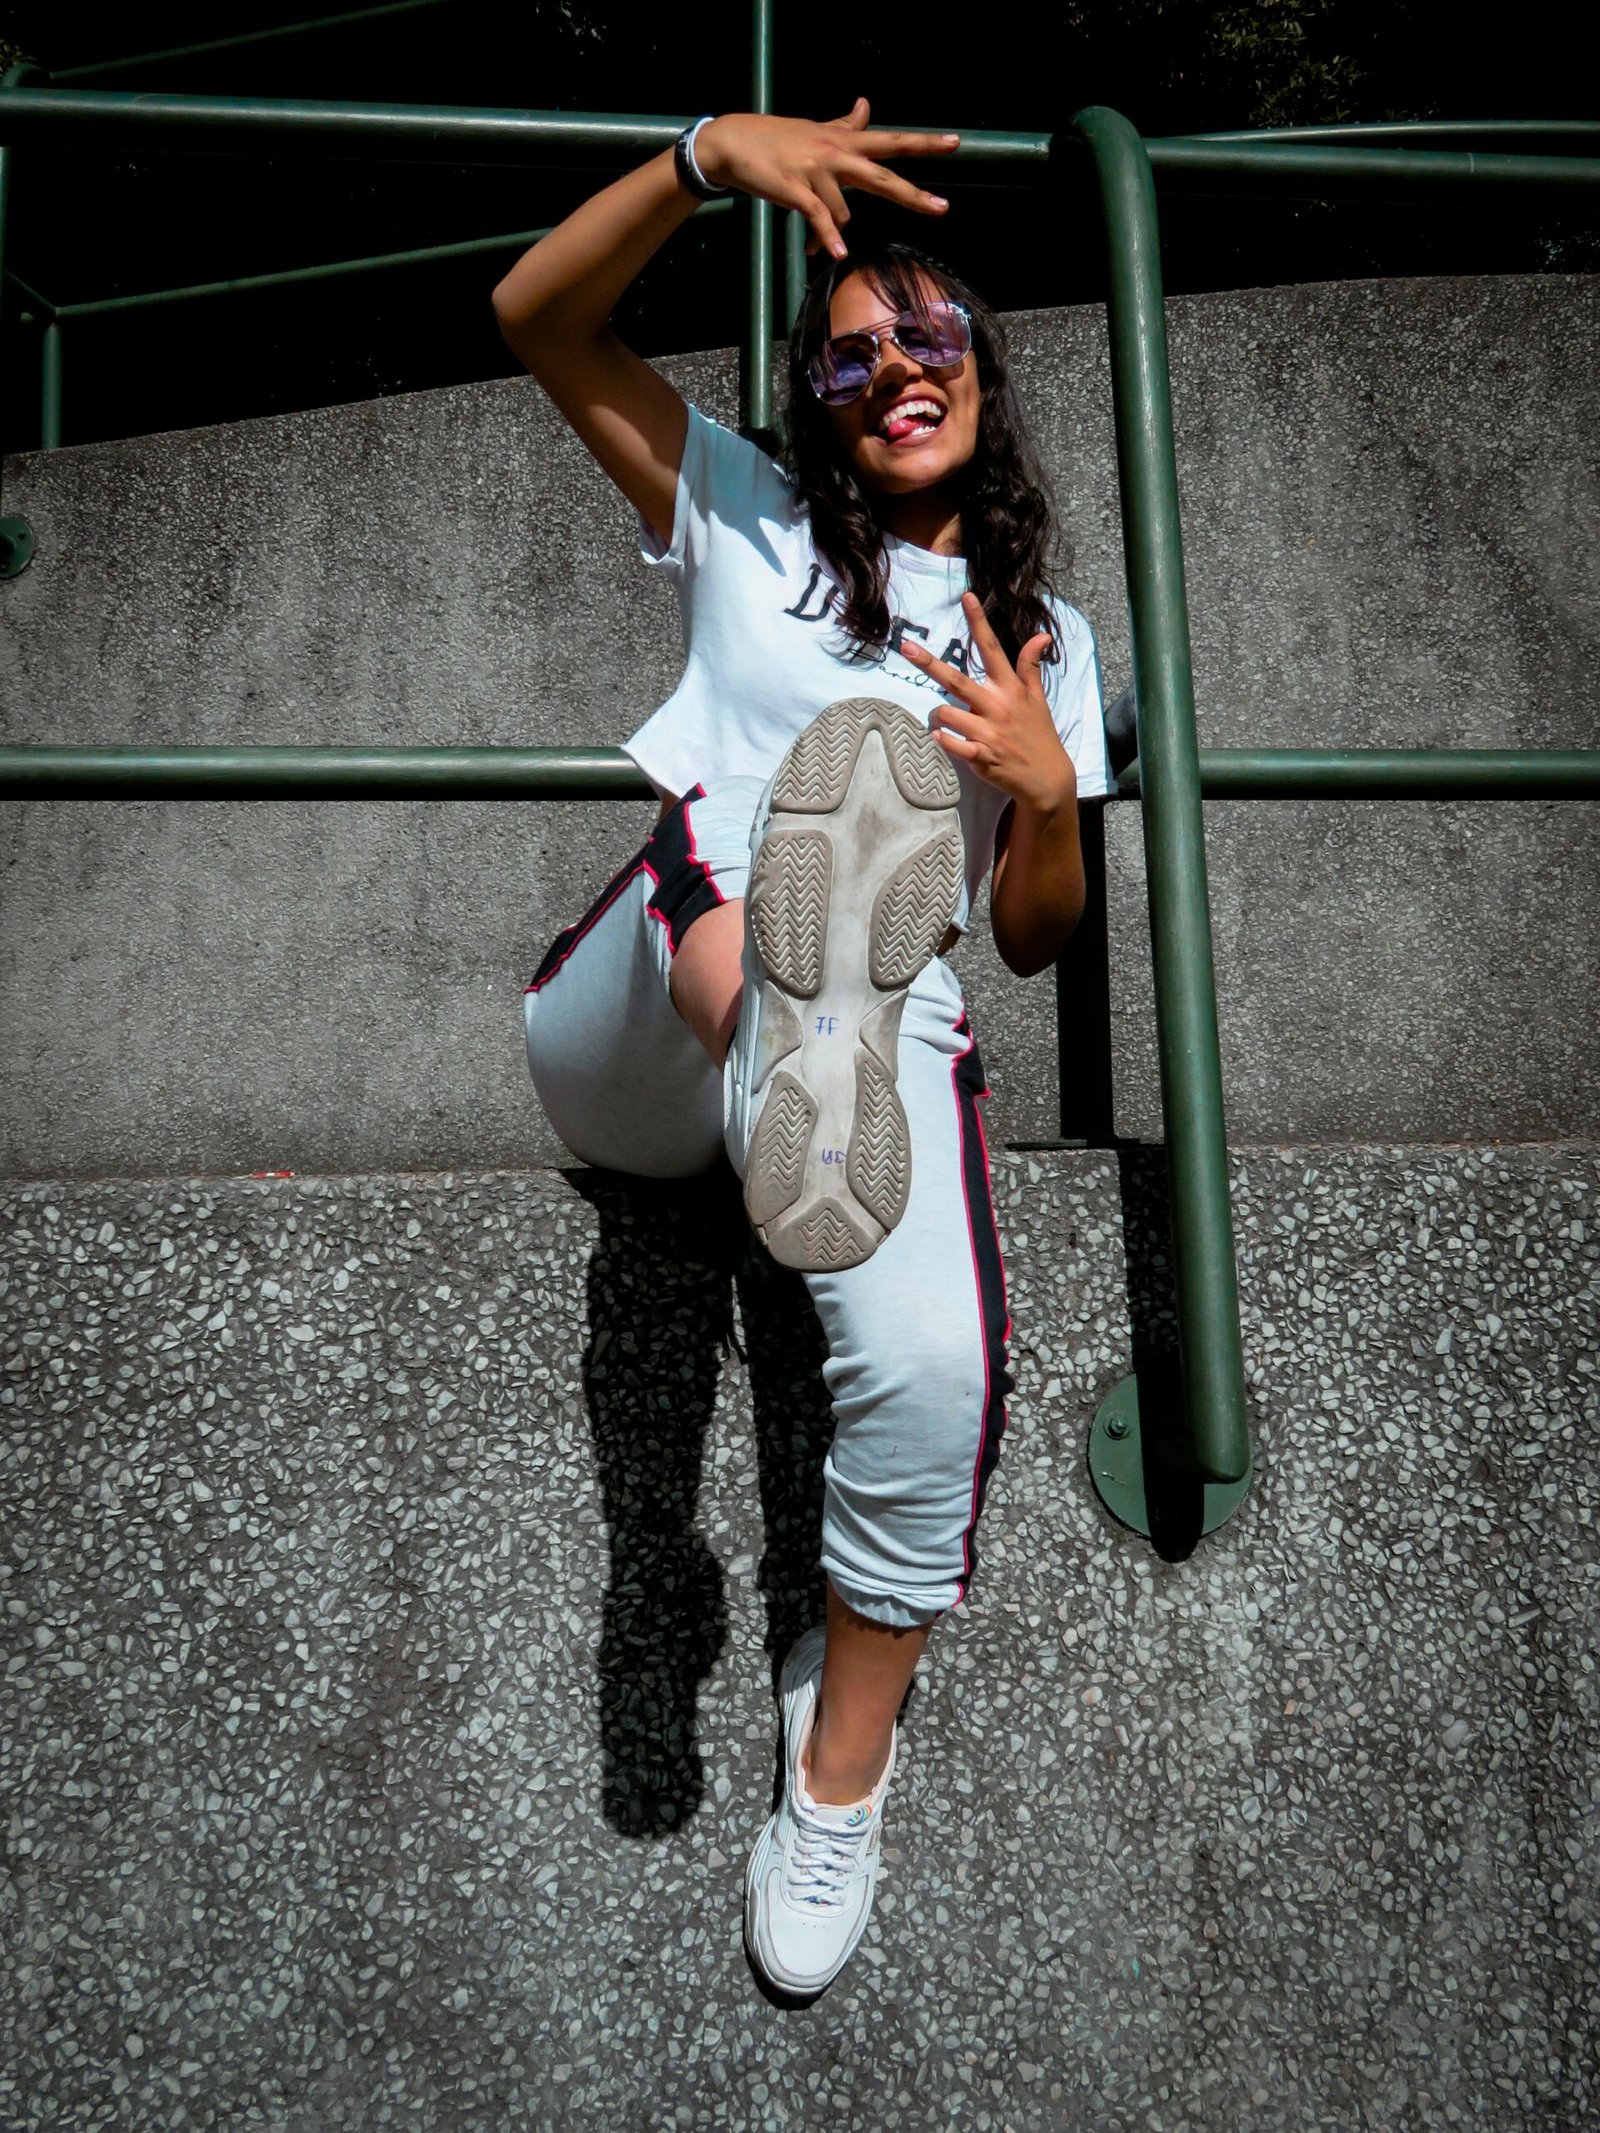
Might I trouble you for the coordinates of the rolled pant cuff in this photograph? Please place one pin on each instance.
(887, 1608)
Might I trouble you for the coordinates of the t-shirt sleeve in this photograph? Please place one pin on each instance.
(1077, 704)
(726, 487)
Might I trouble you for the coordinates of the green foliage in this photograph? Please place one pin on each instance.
(1275, 56)
(1248, 64)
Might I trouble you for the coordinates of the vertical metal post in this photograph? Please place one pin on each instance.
(16, 535)
(794, 260)
(1083, 1004)
(5, 202)
(50, 387)
(13, 78)
(758, 344)
(1211, 1363)
(5, 193)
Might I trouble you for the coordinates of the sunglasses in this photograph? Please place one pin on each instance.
(843, 368)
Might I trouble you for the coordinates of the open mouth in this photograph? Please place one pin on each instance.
(910, 421)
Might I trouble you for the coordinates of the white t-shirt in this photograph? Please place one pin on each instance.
(765, 654)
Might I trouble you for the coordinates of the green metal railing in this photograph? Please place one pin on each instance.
(85, 119)
(1138, 1460)
(1185, 1459)
(200, 773)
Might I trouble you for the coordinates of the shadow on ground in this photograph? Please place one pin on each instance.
(674, 1280)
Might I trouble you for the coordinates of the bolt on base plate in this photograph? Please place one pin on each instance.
(1140, 1487)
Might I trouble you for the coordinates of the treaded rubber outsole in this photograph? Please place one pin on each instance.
(815, 776)
(846, 905)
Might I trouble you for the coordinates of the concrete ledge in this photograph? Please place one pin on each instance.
(397, 1566)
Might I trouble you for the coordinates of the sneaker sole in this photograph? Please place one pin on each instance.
(856, 878)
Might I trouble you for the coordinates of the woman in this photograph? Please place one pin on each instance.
(881, 692)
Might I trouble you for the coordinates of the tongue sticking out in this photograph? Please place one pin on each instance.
(899, 426)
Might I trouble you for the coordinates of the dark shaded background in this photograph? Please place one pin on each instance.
(90, 225)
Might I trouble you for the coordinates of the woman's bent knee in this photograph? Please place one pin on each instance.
(706, 981)
(643, 1099)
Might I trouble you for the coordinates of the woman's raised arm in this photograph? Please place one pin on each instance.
(555, 304)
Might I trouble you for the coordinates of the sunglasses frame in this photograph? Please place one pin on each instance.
(877, 335)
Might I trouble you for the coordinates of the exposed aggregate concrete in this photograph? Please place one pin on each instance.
(395, 1569)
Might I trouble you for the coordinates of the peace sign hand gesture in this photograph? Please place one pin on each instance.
(800, 164)
(1002, 724)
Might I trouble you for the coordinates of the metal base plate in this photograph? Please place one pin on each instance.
(1136, 1473)
(16, 546)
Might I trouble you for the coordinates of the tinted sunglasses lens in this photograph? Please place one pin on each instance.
(943, 336)
(842, 368)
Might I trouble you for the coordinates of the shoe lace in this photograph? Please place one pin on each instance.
(822, 1858)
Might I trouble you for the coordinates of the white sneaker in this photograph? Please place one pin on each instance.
(858, 866)
(809, 1886)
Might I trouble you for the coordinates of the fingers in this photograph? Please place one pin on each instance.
(824, 230)
(957, 718)
(994, 658)
(826, 188)
(820, 181)
(954, 745)
(871, 179)
(1029, 657)
(881, 143)
(950, 679)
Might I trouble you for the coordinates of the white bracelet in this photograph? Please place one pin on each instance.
(706, 187)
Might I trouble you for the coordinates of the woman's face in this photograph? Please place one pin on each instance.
(923, 450)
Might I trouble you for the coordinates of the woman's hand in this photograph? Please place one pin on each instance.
(803, 164)
(1002, 724)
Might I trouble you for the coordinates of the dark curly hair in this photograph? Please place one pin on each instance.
(1007, 525)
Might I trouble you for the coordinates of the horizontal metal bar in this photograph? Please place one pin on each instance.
(331, 270)
(1268, 166)
(1297, 157)
(75, 119)
(1007, 154)
(245, 37)
(239, 125)
(1508, 136)
(235, 125)
(1391, 774)
(60, 773)
(320, 774)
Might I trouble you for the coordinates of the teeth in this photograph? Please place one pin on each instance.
(912, 407)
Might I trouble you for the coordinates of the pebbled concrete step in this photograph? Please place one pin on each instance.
(397, 1568)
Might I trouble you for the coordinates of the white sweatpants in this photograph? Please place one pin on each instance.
(917, 1335)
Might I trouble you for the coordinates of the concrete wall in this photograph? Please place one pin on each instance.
(1390, 497)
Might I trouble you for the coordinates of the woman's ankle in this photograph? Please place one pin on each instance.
(838, 1776)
